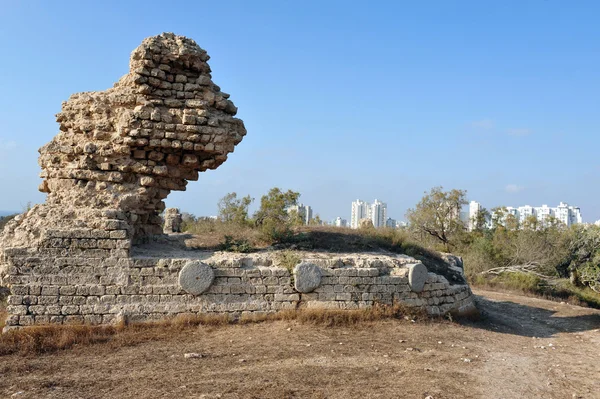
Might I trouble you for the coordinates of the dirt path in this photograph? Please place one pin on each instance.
(522, 348)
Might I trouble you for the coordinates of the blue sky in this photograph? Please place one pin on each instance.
(341, 100)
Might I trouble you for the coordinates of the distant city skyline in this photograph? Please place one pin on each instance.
(376, 212)
(565, 213)
(307, 213)
(496, 98)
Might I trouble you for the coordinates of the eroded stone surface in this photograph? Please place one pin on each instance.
(120, 152)
(173, 221)
(196, 277)
(118, 155)
(95, 289)
(307, 277)
(417, 276)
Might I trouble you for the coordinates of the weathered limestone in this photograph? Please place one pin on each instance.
(173, 221)
(160, 282)
(307, 277)
(120, 152)
(94, 253)
(196, 277)
(417, 276)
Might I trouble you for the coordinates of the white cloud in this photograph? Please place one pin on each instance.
(484, 124)
(513, 188)
(519, 132)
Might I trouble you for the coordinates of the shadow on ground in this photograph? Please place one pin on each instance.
(512, 318)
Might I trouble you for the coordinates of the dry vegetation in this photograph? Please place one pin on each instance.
(213, 235)
(45, 339)
(351, 357)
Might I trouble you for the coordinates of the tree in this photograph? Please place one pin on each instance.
(273, 218)
(233, 209)
(316, 221)
(531, 223)
(294, 218)
(503, 219)
(499, 216)
(438, 214)
(585, 256)
(480, 220)
(366, 224)
(512, 222)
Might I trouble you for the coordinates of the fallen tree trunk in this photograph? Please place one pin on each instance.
(529, 269)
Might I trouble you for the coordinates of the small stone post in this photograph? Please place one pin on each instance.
(173, 221)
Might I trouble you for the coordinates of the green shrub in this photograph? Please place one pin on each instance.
(235, 245)
(589, 275)
(288, 259)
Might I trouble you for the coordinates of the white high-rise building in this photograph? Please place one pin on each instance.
(339, 222)
(543, 214)
(359, 211)
(524, 212)
(304, 211)
(568, 215)
(474, 209)
(377, 212)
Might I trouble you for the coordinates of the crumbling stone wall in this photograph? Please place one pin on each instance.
(79, 257)
(125, 149)
(141, 288)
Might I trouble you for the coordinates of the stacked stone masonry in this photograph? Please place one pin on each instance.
(125, 149)
(88, 254)
(102, 286)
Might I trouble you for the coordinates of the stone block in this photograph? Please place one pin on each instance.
(48, 300)
(15, 300)
(196, 277)
(19, 290)
(50, 290)
(307, 277)
(417, 276)
(20, 310)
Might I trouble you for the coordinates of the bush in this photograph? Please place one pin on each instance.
(288, 259)
(232, 245)
(589, 275)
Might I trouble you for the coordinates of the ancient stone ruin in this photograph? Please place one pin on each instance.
(90, 253)
(173, 221)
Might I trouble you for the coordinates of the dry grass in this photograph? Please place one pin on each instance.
(50, 338)
(338, 318)
(211, 235)
(289, 359)
(551, 289)
(216, 235)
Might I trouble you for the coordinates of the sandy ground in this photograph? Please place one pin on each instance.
(522, 348)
